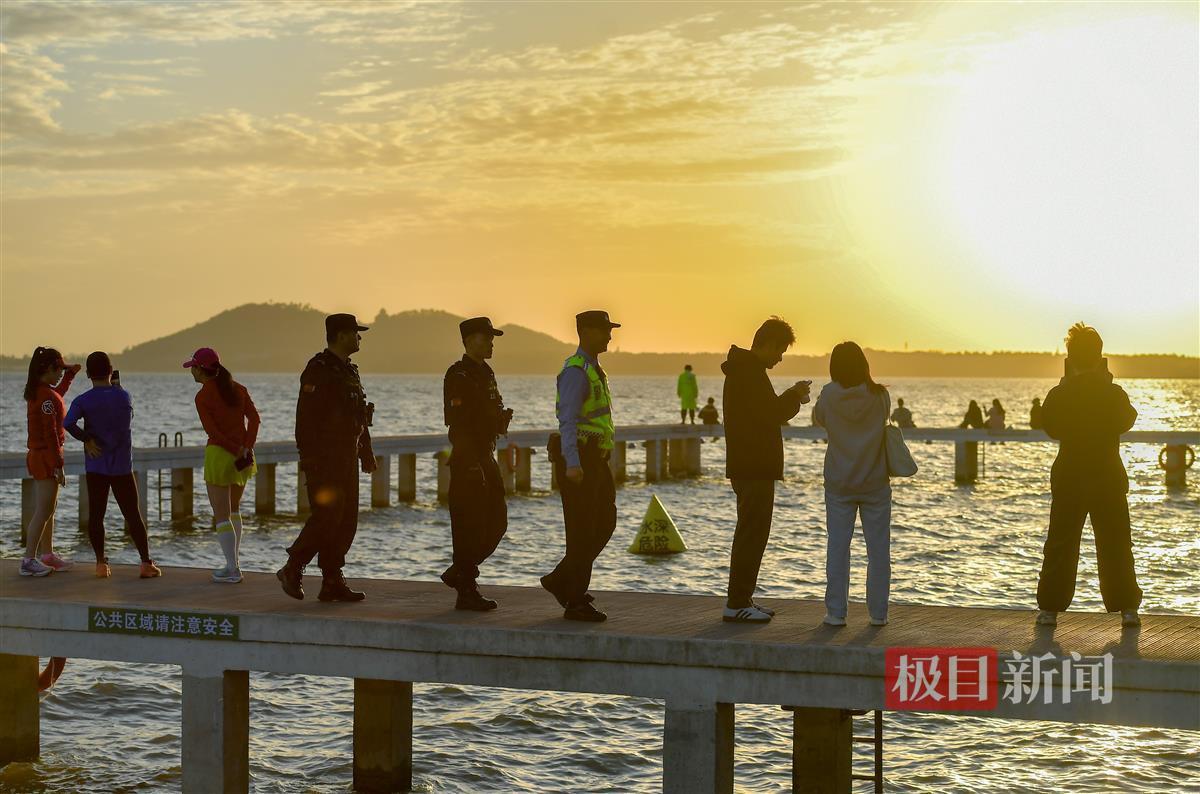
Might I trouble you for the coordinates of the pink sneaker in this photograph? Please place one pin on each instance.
(52, 560)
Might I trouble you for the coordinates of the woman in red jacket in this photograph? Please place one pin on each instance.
(231, 421)
(49, 378)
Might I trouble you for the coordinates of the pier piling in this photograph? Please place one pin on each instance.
(616, 463)
(216, 731)
(381, 481)
(264, 489)
(406, 478)
(19, 728)
(966, 462)
(697, 747)
(524, 483)
(181, 494)
(383, 724)
(822, 750)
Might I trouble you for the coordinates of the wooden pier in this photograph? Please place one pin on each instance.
(670, 451)
(670, 647)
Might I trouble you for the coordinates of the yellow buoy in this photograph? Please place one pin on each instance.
(658, 533)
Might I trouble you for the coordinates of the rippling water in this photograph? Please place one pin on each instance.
(108, 727)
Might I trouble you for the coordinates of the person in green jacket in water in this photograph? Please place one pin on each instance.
(688, 392)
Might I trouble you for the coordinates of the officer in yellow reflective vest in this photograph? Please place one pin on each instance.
(589, 499)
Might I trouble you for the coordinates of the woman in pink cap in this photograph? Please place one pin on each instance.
(231, 421)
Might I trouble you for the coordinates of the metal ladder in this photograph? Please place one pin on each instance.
(162, 444)
(877, 741)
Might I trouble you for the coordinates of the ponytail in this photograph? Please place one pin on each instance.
(39, 362)
(225, 387)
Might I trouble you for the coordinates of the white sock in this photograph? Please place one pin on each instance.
(236, 520)
(228, 540)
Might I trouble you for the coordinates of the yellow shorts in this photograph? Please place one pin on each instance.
(219, 468)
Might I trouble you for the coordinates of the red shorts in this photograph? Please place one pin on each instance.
(41, 463)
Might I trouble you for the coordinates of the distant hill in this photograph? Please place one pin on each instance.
(280, 337)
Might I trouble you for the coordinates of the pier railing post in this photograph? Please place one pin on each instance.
(264, 489)
(216, 731)
(406, 478)
(676, 461)
(181, 493)
(381, 481)
(822, 750)
(443, 477)
(966, 461)
(524, 478)
(19, 705)
(697, 747)
(382, 735)
(83, 502)
(616, 462)
(302, 505)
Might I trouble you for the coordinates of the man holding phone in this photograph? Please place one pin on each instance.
(754, 456)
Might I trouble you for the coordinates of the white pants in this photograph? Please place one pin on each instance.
(840, 512)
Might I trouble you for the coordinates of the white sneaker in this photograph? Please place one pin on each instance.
(831, 620)
(878, 621)
(227, 576)
(750, 614)
(32, 566)
(762, 608)
(1047, 618)
(1130, 618)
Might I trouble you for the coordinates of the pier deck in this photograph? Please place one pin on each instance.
(667, 646)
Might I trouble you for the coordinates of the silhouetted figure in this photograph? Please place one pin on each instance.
(1035, 414)
(580, 453)
(902, 417)
(708, 414)
(332, 420)
(995, 417)
(973, 417)
(688, 392)
(754, 456)
(475, 413)
(853, 409)
(1087, 413)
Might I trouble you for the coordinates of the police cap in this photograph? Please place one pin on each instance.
(594, 319)
(335, 323)
(478, 325)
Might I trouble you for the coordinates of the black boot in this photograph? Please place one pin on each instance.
(474, 600)
(292, 579)
(451, 577)
(334, 588)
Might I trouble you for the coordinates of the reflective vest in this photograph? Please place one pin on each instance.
(595, 415)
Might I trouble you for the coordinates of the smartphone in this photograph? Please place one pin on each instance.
(116, 377)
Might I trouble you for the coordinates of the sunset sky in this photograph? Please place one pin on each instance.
(951, 176)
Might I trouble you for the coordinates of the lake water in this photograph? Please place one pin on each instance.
(110, 727)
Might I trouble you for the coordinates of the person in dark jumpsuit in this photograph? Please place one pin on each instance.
(475, 414)
(1087, 413)
(332, 417)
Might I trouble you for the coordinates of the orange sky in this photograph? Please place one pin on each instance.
(954, 176)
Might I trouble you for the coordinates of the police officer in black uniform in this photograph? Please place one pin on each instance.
(476, 415)
(332, 417)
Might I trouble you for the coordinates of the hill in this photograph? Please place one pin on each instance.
(279, 337)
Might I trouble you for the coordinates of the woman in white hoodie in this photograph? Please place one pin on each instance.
(853, 409)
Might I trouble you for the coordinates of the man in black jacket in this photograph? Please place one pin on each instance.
(1087, 413)
(754, 456)
(332, 416)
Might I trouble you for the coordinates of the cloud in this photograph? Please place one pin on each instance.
(27, 102)
(361, 89)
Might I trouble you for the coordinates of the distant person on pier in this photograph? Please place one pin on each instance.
(580, 452)
(688, 392)
(106, 411)
(853, 409)
(1035, 414)
(332, 436)
(995, 417)
(708, 414)
(1087, 413)
(973, 418)
(475, 413)
(902, 417)
(754, 416)
(48, 381)
(231, 421)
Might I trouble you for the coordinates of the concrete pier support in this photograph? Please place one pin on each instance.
(264, 489)
(83, 502)
(19, 728)
(143, 485)
(382, 735)
(822, 750)
(691, 453)
(182, 494)
(966, 461)
(656, 461)
(508, 471)
(26, 506)
(381, 482)
(524, 477)
(698, 748)
(1175, 460)
(677, 463)
(302, 505)
(443, 477)
(616, 462)
(216, 731)
(406, 478)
